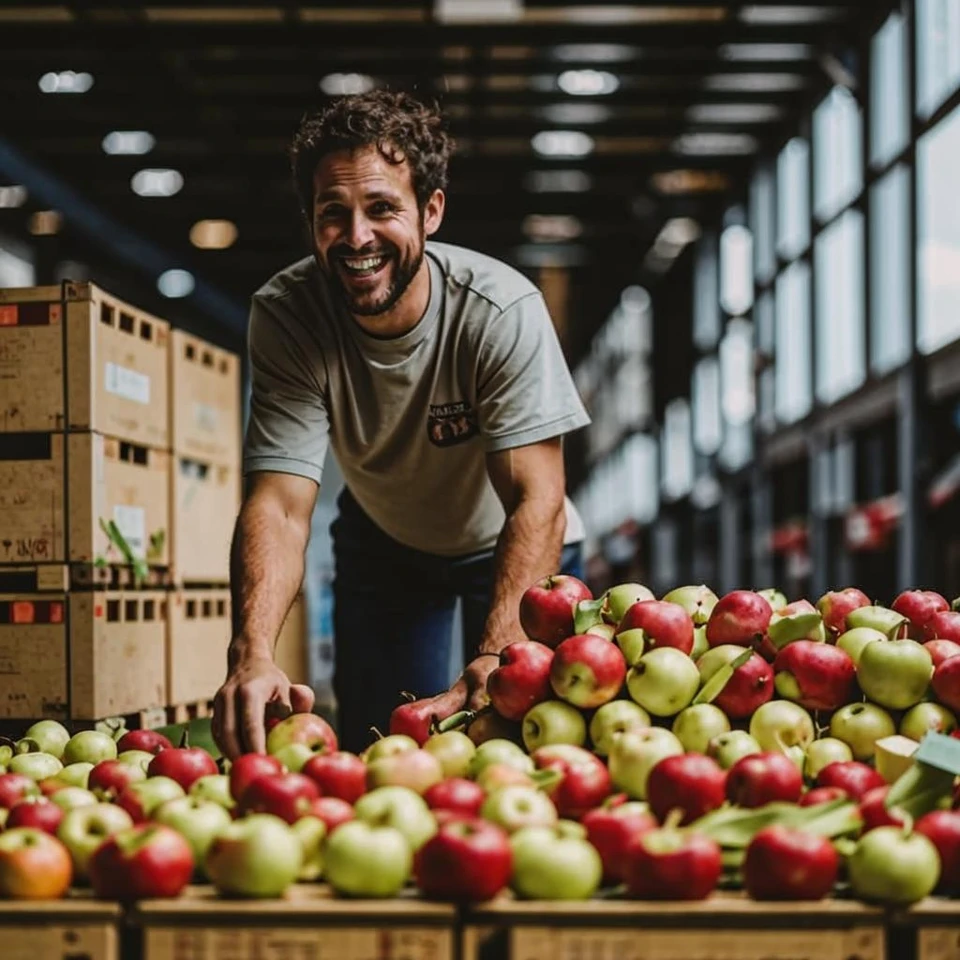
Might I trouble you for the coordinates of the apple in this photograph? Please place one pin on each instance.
(136, 758)
(40, 813)
(584, 782)
(465, 861)
(663, 624)
(496, 775)
(215, 788)
(417, 718)
(748, 689)
(762, 778)
(249, 767)
(856, 779)
(918, 606)
(614, 718)
(587, 671)
(142, 798)
(501, 751)
(634, 755)
(339, 774)
(89, 746)
(49, 736)
(895, 675)
(942, 829)
(306, 728)
(457, 794)
(332, 811)
(835, 605)
(83, 829)
(945, 683)
(186, 765)
(522, 679)
(815, 675)
(388, 746)
(632, 644)
(146, 741)
(552, 721)
(892, 865)
(890, 623)
(454, 750)
(741, 617)
(943, 625)
(894, 756)
(368, 859)
(820, 795)
(515, 807)
(941, 650)
(696, 726)
(547, 608)
(618, 599)
(781, 725)
(786, 864)
(489, 725)
(397, 807)
(37, 766)
(796, 621)
(672, 864)
(197, 821)
(311, 832)
(821, 753)
(14, 787)
(874, 812)
(75, 775)
(70, 797)
(285, 795)
(698, 601)
(853, 642)
(925, 717)
(258, 856)
(691, 783)
(108, 778)
(606, 630)
(612, 828)
(860, 726)
(728, 748)
(555, 863)
(33, 866)
(417, 770)
(663, 681)
(294, 756)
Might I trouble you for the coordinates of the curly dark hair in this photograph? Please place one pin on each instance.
(400, 126)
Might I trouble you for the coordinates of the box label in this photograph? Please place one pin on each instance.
(205, 417)
(132, 522)
(127, 383)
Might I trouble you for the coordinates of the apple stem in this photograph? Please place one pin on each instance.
(376, 733)
(408, 696)
(462, 718)
(673, 819)
(185, 737)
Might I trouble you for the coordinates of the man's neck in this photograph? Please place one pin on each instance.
(406, 313)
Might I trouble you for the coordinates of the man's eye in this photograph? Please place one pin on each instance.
(329, 213)
(381, 209)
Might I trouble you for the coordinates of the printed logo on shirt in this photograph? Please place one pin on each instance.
(451, 423)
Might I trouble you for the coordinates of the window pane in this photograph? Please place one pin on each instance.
(840, 329)
(938, 235)
(837, 152)
(793, 198)
(640, 477)
(763, 314)
(889, 110)
(938, 52)
(761, 224)
(676, 455)
(792, 389)
(706, 307)
(736, 270)
(889, 266)
(736, 373)
(705, 394)
(737, 446)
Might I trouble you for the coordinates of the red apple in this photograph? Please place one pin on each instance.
(741, 617)
(522, 680)
(946, 683)
(941, 650)
(750, 687)
(835, 605)
(339, 774)
(822, 795)
(761, 778)
(786, 864)
(183, 764)
(14, 787)
(943, 625)
(464, 861)
(671, 864)
(251, 766)
(942, 828)
(587, 671)
(109, 777)
(38, 812)
(689, 782)
(854, 778)
(613, 827)
(33, 866)
(305, 728)
(547, 608)
(585, 780)
(457, 794)
(332, 811)
(416, 718)
(285, 795)
(918, 606)
(663, 624)
(149, 741)
(818, 676)
(142, 862)
(874, 812)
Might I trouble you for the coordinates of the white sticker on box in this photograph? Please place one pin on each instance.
(132, 523)
(127, 383)
(205, 417)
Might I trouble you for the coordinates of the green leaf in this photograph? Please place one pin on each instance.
(586, 614)
(716, 684)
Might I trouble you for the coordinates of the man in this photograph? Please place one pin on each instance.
(435, 375)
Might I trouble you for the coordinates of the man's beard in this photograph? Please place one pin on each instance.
(404, 270)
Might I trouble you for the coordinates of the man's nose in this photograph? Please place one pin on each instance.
(359, 231)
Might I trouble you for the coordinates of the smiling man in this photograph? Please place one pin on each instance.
(435, 376)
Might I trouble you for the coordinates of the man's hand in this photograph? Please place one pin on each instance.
(255, 684)
(475, 676)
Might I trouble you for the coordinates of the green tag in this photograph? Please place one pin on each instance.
(940, 751)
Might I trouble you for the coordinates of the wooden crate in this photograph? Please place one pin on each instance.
(198, 633)
(929, 930)
(73, 357)
(82, 656)
(309, 922)
(55, 488)
(725, 927)
(73, 929)
(204, 401)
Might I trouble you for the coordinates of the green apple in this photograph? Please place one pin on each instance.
(214, 787)
(83, 829)
(774, 597)
(728, 748)
(515, 807)
(146, 795)
(89, 746)
(632, 643)
(696, 726)
(892, 865)
(367, 860)
(256, 856)
(779, 725)
(853, 641)
(925, 717)
(822, 752)
(139, 758)
(614, 718)
(415, 769)
(49, 736)
(618, 599)
(796, 624)
(698, 601)
(397, 807)
(75, 774)
(605, 630)
(294, 755)
(895, 675)
(664, 681)
(634, 755)
(700, 643)
(36, 766)
(555, 863)
(887, 621)
(553, 721)
(499, 750)
(860, 726)
(454, 749)
(198, 821)
(311, 832)
(389, 745)
(69, 798)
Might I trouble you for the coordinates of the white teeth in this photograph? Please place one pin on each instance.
(368, 263)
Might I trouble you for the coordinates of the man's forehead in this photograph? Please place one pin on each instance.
(344, 169)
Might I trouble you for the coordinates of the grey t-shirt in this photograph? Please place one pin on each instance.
(411, 418)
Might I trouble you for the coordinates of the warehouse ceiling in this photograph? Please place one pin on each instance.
(670, 102)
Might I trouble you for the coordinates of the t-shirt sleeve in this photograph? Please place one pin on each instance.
(287, 431)
(525, 392)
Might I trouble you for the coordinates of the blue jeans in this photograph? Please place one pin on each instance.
(393, 618)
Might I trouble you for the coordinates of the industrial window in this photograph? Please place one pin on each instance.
(793, 198)
(889, 106)
(792, 387)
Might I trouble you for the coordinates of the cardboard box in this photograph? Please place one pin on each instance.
(204, 503)
(60, 486)
(77, 928)
(205, 421)
(198, 634)
(290, 653)
(72, 357)
(82, 656)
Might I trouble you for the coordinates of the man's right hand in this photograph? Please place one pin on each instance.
(254, 684)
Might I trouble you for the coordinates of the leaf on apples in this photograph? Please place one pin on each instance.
(716, 684)
(586, 614)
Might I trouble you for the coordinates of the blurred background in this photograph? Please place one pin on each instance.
(742, 216)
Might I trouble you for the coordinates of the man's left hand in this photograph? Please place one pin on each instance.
(475, 676)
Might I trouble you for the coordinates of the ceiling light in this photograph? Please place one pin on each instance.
(477, 11)
(562, 143)
(213, 234)
(341, 84)
(587, 83)
(128, 142)
(176, 283)
(575, 113)
(13, 196)
(156, 182)
(755, 82)
(766, 51)
(734, 112)
(715, 144)
(784, 14)
(594, 52)
(66, 81)
(551, 228)
(675, 182)
(558, 181)
(45, 223)
(613, 14)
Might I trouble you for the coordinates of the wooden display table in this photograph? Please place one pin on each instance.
(78, 926)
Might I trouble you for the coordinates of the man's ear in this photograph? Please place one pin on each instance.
(433, 212)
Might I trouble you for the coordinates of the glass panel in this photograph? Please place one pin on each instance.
(889, 109)
(889, 270)
(736, 373)
(793, 198)
(736, 270)
(792, 387)
(763, 314)
(677, 449)
(706, 307)
(641, 477)
(761, 224)
(737, 446)
(839, 317)
(705, 395)
(938, 235)
(837, 152)
(938, 52)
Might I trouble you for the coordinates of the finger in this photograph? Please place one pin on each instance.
(478, 699)
(252, 706)
(450, 701)
(301, 698)
(227, 727)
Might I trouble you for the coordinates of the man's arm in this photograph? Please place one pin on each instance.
(266, 571)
